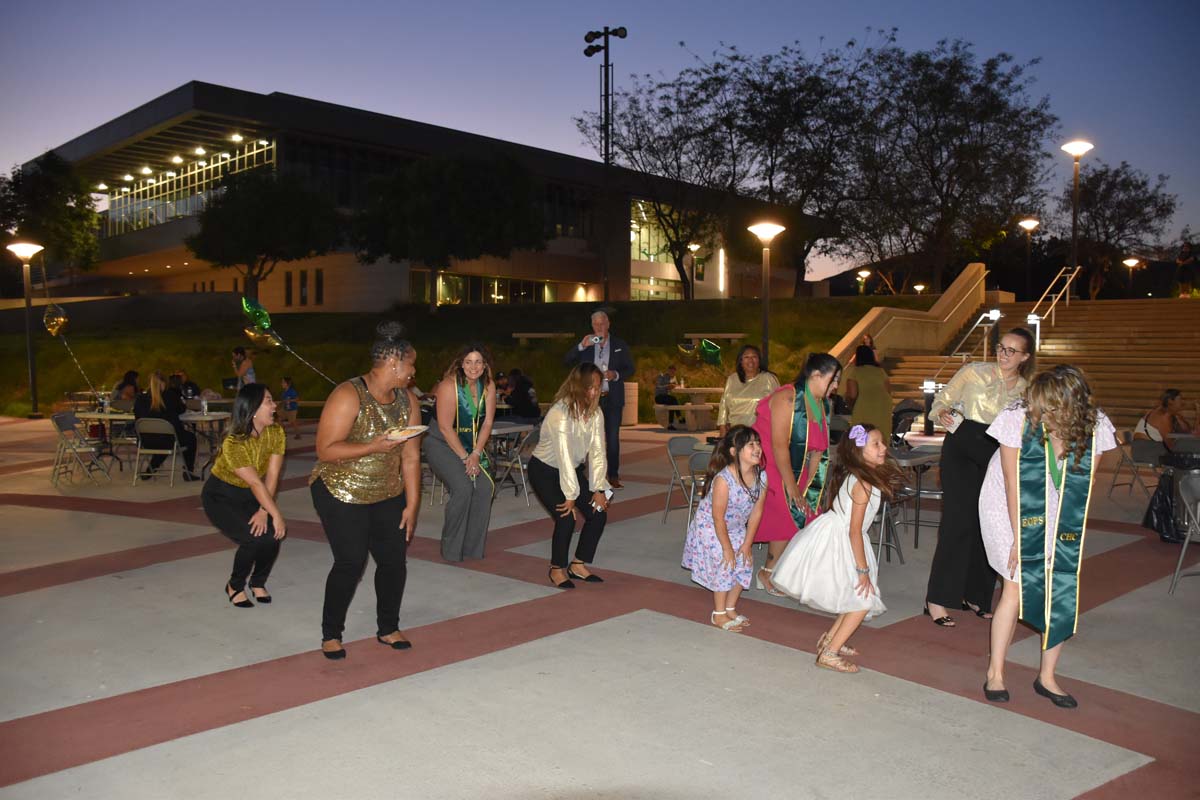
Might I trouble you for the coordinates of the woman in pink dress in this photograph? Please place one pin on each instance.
(793, 423)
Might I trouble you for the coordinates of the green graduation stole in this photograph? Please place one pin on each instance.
(1049, 591)
(467, 419)
(799, 447)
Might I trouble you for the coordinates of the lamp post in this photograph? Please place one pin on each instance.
(863, 274)
(693, 248)
(606, 85)
(1133, 264)
(1028, 224)
(919, 287)
(26, 251)
(1076, 150)
(766, 231)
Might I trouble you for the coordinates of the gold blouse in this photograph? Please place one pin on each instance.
(564, 444)
(740, 399)
(376, 476)
(250, 451)
(980, 387)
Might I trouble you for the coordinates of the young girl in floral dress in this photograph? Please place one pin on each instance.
(721, 532)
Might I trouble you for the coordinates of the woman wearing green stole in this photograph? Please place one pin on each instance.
(456, 451)
(1039, 483)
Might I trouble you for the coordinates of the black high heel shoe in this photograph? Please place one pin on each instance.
(266, 598)
(976, 610)
(566, 584)
(946, 621)
(230, 594)
(584, 578)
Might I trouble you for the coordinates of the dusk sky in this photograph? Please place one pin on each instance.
(1119, 74)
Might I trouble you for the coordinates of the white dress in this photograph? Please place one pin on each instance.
(994, 523)
(817, 568)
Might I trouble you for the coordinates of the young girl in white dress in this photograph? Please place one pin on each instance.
(829, 565)
(721, 533)
(1040, 482)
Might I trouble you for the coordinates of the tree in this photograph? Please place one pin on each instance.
(951, 149)
(1120, 211)
(258, 218)
(52, 205)
(681, 137)
(437, 209)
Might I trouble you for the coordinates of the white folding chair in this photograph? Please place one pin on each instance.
(698, 469)
(74, 449)
(1135, 455)
(678, 447)
(153, 426)
(1189, 494)
(516, 458)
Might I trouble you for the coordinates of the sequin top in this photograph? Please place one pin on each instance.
(740, 400)
(249, 451)
(376, 476)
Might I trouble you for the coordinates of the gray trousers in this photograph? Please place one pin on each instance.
(469, 509)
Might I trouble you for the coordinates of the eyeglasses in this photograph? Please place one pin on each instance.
(1001, 350)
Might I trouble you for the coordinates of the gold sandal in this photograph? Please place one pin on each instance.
(846, 650)
(827, 659)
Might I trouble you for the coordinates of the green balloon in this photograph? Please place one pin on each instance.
(257, 315)
(710, 352)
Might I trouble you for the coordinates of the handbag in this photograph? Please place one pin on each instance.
(1160, 514)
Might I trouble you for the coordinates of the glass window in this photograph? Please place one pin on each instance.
(451, 289)
(319, 287)
(418, 286)
(475, 288)
(287, 288)
(303, 287)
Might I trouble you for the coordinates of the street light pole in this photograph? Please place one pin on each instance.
(605, 110)
(1028, 225)
(26, 251)
(1076, 150)
(766, 231)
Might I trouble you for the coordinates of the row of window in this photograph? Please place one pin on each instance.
(455, 289)
(301, 284)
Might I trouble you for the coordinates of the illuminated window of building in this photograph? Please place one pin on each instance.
(646, 240)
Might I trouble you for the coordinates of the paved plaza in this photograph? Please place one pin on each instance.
(127, 675)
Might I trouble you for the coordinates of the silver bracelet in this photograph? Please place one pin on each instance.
(863, 571)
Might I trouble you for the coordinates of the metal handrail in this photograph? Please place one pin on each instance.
(1066, 290)
(964, 357)
(949, 314)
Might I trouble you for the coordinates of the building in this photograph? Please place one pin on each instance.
(156, 165)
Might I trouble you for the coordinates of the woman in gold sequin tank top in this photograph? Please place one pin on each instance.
(367, 488)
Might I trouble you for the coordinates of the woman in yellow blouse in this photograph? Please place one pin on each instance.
(744, 389)
(366, 488)
(568, 463)
(960, 576)
(239, 496)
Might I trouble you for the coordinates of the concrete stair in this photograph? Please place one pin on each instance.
(1130, 350)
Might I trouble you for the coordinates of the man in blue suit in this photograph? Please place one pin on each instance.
(613, 358)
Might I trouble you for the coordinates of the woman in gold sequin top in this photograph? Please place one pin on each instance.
(367, 488)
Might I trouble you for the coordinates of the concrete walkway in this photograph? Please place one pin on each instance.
(128, 675)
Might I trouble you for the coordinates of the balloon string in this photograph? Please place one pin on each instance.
(79, 366)
(304, 361)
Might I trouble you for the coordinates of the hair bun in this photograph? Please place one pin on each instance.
(389, 330)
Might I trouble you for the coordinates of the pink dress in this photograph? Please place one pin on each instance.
(994, 523)
(777, 524)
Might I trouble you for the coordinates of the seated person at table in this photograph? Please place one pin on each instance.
(522, 398)
(502, 387)
(127, 387)
(664, 384)
(161, 403)
(189, 388)
(1167, 418)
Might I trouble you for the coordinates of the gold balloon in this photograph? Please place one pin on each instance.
(262, 338)
(54, 318)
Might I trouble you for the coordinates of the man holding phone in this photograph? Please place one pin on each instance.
(613, 358)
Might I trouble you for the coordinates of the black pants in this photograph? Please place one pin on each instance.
(544, 480)
(670, 400)
(613, 406)
(353, 531)
(230, 507)
(187, 444)
(960, 570)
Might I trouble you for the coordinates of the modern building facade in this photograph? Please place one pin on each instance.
(157, 165)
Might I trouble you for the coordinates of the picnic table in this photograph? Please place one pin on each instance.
(696, 337)
(524, 337)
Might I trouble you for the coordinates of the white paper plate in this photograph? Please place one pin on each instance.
(408, 432)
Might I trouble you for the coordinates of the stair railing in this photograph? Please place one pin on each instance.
(987, 320)
(1034, 318)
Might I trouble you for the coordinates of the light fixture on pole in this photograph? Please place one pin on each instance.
(766, 231)
(606, 92)
(1076, 150)
(692, 248)
(26, 251)
(863, 274)
(1035, 322)
(1028, 225)
(919, 287)
(1133, 264)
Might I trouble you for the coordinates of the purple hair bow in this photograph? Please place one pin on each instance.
(859, 434)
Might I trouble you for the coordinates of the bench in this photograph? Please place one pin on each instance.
(696, 416)
(523, 338)
(696, 337)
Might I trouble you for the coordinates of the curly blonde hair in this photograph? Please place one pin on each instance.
(1062, 399)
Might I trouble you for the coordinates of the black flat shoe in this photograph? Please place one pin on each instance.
(230, 594)
(995, 695)
(1060, 700)
(401, 644)
(946, 621)
(564, 585)
(976, 610)
(333, 655)
(266, 598)
(189, 477)
(585, 579)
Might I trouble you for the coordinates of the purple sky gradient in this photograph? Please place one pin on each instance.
(1116, 72)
